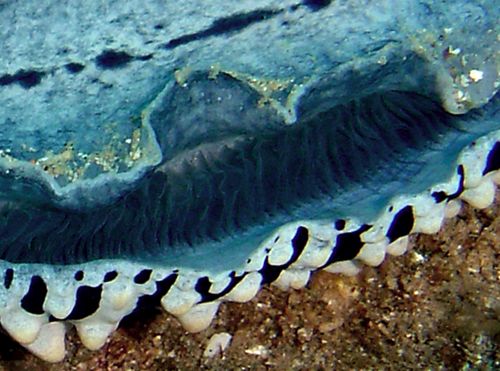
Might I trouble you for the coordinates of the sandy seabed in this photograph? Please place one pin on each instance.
(437, 306)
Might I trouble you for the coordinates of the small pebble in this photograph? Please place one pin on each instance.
(217, 344)
(258, 350)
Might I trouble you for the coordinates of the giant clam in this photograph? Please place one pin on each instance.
(193, 154)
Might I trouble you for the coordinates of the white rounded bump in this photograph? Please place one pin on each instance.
(179, 302)
(296, 279)
(300, 279)
(281, 253)
(122, 297)
(199, 317)
(219, 283)
(60, 301)
(348, 268)
(452, 208)
(24, 327)
(398, 247)
(374, 235)
(372, 254)
(94, 335)
(481, 196)
(495, 177)
(314, 256)
(430, 223)
(246, 289)
(50, 343)
(472, 161)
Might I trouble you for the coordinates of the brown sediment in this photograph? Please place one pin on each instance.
(436, 306)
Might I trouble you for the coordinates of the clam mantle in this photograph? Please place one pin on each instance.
(192, 154)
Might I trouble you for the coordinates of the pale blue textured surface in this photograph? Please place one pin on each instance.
(337, 53)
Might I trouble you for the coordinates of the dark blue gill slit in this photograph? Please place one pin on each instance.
(218, 201)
